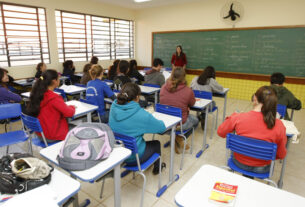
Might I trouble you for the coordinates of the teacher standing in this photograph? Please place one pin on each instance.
(179, 58)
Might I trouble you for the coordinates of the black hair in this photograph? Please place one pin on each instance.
(209, 72)
(129, 92)
(94, 60)
(38, 67)
(2, 73)
(113, 70)
(68, 64)
(40, 87)
(181, 53)
(124, 66)
(277, 78)
(132, 66)
(87, 67)
(157, 62)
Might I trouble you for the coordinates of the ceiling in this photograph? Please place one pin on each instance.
(153, 3)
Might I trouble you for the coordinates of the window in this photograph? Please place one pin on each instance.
(81, 36)
(23, 35)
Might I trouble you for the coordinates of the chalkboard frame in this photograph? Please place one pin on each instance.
(248, 76)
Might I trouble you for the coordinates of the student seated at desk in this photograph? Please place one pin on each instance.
(284, 96)
(121, 78)
(94, 60)
(69, 70)
(6, 96)
(176, 93)
(133, 72)
(127, 117)
(206, 82)
(154, 76)
(113, 69)
(97, 90)
(40, 68)
(86, 76)
(50, 107)
(260, 123)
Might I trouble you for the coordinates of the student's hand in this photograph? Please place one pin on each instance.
(197, 99)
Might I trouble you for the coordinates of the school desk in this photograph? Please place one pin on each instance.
(223, 94)
(82, 109)
(27, 94)
(147, 90)
(250, 193)
(114, 161)
(72, 89)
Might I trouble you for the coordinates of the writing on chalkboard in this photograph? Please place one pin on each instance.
(260, 51)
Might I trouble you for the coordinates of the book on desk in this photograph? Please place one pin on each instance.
(223, 194)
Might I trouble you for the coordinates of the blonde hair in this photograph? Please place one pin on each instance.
(177, 77)
(95, 71)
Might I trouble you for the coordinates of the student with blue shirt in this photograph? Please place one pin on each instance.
(97, 90)
(127, 117)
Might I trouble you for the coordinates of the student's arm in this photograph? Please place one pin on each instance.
(173, 60)
(12, 97)
(216, 87)
(192, 99)
(293, 102)
(227, 126)
(161, 80)
(153, 125)
(281, 142)
(139, 76)
(63, 108)
(109, 93)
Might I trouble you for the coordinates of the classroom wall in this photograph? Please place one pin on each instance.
(83, 6)
(205, 14)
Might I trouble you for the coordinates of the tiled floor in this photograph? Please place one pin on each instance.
(294, 179)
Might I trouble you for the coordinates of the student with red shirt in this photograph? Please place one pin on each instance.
(176, 93)
(50, 107)
(260, 123)
(179, 58)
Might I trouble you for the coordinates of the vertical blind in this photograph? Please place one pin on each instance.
(81, 36)
(23, 35)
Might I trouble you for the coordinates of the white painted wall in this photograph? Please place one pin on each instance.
(83, 6)
(206, 15)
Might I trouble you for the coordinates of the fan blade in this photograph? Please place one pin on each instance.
(231, 7)
(237, 14)
(226, 17)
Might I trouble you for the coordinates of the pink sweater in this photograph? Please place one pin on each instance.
(183, 98)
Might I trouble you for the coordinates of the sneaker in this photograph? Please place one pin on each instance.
(156, 168)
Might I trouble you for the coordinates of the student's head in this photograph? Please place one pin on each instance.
(177, 77)
(129, 92)
(41, 67)
(49, 79)
(68, 64)
(179, 50)
(87, 68)
(96, 71)
(133, 65)
(123, 66)
(266, 97)
(3, 77)
(277, 78)
(94, 60)
(208, 72)
(158, 64)
(113, 69)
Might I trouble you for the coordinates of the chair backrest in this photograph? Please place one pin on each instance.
(145, 69)
(31, 123)
(129, 142)
(251, 147)
(62, 92)
(170, 110)
(106, 80)
(203, 94)
(151, 85)
(168, 69)
(11, 110)
(80, 85)
(281, 109)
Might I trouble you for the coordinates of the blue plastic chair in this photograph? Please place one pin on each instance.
(90, 102)
(9, 111)
(32, 125)
(61, 92)
(168, 69)
(281, 109)
(174, 111)
(107, 80)
(80, 85)
(254, 148)
(130, 143)
(145, 69)
(208, 95)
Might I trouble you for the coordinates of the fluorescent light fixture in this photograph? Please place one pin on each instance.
(139, 1)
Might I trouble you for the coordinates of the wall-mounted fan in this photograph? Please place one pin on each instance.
(232, 12)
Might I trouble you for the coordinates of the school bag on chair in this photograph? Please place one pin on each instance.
(85, 146)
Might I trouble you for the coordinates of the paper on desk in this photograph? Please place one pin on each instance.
(69, 89)
(41, 196)
(291, 129)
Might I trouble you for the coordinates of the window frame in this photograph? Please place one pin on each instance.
(39, 37)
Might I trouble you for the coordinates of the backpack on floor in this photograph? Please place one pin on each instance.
(22, 172)
(85, 146)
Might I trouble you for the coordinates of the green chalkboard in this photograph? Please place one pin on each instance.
(259, 50)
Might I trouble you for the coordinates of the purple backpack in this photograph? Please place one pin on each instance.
(85, 146)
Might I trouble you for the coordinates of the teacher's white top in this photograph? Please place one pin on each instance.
(250, 193)
(117, 156)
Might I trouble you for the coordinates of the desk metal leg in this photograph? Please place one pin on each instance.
(156, 98)
(224, 108)
(280, 182)
(89, 117)
(172, 179)
(205, 145)
(117, 186)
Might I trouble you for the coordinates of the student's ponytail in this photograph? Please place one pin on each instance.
(267, 96)
(177, 77)
(129, 92)
(40, 87)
